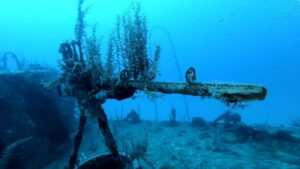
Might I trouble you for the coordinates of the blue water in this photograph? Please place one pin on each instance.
(249, 41)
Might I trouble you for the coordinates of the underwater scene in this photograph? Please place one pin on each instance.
(150, 84)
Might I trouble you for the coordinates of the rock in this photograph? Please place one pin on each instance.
(133, 117)
(198, 122)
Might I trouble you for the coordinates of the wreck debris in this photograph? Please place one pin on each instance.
(245, 133)
(133, 117)
(103, 126)
(198, 122)
(172, 119)
(229, 119)
(4, 60)
(232, 122)
(8, 153)
(125, 75)
(78, 138)
(108, 161)
(30, 108)
(190, 75)
(231, 93)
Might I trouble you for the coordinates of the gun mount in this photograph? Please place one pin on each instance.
(128, 69)
(78, 81)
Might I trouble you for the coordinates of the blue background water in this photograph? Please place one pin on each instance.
(249, 41)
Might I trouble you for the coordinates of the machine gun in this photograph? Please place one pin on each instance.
(78, 80)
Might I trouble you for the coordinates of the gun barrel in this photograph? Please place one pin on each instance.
(227, 92)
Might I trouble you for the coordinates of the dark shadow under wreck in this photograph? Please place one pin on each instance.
(34, 119)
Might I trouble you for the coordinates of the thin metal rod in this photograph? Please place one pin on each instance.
(78, 137)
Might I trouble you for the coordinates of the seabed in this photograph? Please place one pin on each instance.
(185, 146)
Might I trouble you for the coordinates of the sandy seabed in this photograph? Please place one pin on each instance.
(186, 147)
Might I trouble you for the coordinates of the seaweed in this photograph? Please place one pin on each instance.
(93, 52)
(129, 40)
(109, 65)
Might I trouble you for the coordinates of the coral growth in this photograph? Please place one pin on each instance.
(229, 119)
(136, 149)
(127, 47)
(93, 54)
(80, 25)
(80, 31)
(109, 65)
(126, 57)
(130, 45)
